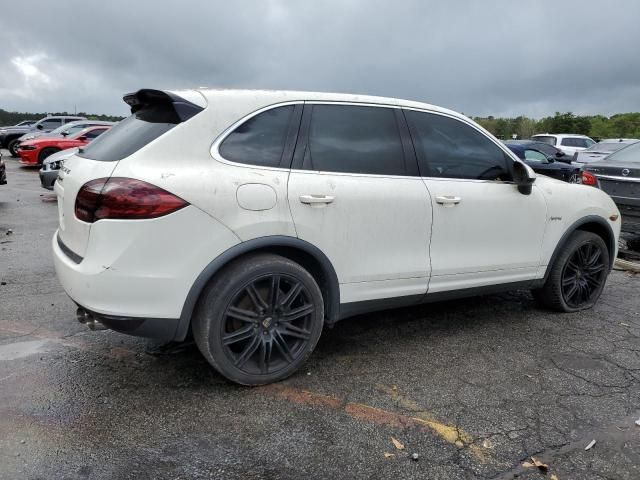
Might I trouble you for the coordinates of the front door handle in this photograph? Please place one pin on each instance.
(317, 200)
(448, 200)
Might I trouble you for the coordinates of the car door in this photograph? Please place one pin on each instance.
(484, 230)
(355, 193)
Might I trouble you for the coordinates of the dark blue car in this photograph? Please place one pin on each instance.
(543, 161)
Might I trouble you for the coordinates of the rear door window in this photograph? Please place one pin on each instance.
(261, 139)
(354, 139)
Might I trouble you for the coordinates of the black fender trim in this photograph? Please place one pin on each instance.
(332, 305)
(611, 242)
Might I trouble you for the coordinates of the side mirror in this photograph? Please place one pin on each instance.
(560, 154)
(83, 138)
(524, 176)
(64, 134)
(39, 127)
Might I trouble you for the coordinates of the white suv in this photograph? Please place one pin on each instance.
(254, 218)
(568, 143)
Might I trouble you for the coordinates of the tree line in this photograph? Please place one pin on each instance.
(11, 118)
(620, 125)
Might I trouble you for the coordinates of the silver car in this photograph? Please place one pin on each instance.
(51, 166)
(601, 150)
(66, 129)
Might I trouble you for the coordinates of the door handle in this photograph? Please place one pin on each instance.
(316, 199)
(448, 200)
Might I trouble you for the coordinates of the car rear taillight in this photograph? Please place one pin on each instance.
(589, 179)
(124, 199)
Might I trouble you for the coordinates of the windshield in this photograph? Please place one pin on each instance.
(628, 154)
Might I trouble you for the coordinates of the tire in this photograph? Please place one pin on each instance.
(578, 274)
(250, 335)
(46, 152)
(12, 146)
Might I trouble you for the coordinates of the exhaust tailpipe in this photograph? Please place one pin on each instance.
(87, 319)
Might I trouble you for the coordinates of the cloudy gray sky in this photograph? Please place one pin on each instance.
(485, 57)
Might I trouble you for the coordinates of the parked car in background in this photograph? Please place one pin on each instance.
(294, 210)
(33, 152)
(619, 176)
(51, 166)
(24, 123)
(3, 171)
(10, 137)
(66, 130)
(568, 143)
(601, 150)
(533, 154)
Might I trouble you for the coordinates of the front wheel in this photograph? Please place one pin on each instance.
(13, 147)
(46, 152)
(259, 319)
(578, 274)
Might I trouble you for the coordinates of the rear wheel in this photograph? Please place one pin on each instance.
(13, 147)
(259, 319)
(46, 152)
(578, 274)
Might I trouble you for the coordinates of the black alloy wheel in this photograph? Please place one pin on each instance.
(578, 274)
(259, 319)
(584, 275)
(268, 324)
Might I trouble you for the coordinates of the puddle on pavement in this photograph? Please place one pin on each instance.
(13, 351)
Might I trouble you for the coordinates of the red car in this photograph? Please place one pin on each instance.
(33, 152)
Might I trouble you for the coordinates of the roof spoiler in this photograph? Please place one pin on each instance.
(147, 97)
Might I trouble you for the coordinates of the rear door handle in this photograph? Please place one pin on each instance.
(316, 199)
(448, 200)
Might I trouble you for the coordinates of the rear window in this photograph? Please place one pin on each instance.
(629, 154)
(132, 133)
(576, 142)
(551, 140)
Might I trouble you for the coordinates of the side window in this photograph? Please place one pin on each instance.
(535, 156)
(576, 142)
(51, 124)
(95, 133)
(449, 148)
(69, 120)
(354, 139)
(260, 140)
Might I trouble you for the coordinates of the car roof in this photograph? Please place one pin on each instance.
(574, 135)
(281, 96)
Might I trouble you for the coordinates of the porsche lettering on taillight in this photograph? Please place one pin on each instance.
(124, 199)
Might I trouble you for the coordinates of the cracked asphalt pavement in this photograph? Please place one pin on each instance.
(474, 388)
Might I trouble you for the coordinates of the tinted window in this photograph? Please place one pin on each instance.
(95, 133)
(51, 124)
(551, 140)
(547, 149)
(69, 120)
(132, 133)
(630, 154)
(535, 156)
(449, 148)
(260, 140)
(353, 139)
(576, 142)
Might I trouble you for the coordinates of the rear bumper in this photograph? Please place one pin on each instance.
(136, 275)
(160, 328)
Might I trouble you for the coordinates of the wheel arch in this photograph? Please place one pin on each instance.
(590, 223)
(307, 255)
